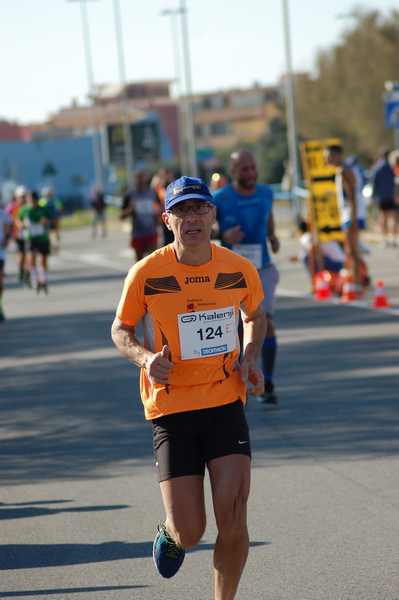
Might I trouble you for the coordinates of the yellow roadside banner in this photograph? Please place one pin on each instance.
(323, 211)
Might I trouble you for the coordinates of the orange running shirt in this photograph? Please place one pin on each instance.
(194, 310)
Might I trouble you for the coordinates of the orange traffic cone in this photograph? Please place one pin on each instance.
(322, 287)
(380, 299)
(348, 289)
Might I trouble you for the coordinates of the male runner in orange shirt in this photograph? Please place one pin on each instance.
(188, 296)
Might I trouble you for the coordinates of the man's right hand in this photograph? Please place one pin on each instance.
(159, 366)
(234, 235)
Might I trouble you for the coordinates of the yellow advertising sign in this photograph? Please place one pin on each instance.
(323, 209)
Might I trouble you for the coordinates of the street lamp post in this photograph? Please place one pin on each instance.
(96, 143)
(192, 152)
(173, 14)
(290, 105)
(127, 133)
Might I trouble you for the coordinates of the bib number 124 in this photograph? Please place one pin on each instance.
(210, 333)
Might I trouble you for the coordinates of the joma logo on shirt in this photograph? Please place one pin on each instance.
(200, 279)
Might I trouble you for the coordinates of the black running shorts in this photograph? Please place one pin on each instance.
(185, 442)
(21, 245)
(387, 204)
(40, 246)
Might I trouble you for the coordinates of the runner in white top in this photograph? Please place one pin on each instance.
(347, 201)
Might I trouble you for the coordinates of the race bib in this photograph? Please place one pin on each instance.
(36, 229)
(253, 252)
(207, 333)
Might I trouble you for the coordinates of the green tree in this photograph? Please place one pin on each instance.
(272, 152)
(344, 96)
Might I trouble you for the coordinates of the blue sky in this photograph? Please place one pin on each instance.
(43, 68)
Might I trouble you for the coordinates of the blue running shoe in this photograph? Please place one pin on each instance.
(168, 556)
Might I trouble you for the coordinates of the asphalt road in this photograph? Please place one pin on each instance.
(79, 496)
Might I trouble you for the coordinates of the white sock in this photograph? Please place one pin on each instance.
(42, 275)
(33, 276)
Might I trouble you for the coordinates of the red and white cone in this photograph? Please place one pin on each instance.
(348, 290)
(380, 299)
(322, 287)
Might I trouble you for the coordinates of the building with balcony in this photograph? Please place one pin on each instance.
(228, 118)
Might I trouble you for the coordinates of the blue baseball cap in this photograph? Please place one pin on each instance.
(186, 188)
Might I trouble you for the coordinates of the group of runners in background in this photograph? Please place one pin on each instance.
(33, 222)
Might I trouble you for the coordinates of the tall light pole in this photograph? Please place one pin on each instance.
(290, 104)
(127, 132)
(96, 143)
(173, 14)
(192, 152)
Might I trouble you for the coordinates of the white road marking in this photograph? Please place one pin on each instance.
(126, 253)
(361, 373)
(95, 259)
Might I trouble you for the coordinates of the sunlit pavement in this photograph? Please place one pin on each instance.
(80, 499)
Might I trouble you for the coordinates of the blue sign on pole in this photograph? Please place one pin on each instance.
(391, 110)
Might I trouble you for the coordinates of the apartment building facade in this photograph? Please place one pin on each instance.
(228, 118)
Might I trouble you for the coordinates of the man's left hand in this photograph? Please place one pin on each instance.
(252, 377)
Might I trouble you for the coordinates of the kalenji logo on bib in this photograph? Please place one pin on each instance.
(207, 316)
(200, 279)
(218, 316)
(188, 318)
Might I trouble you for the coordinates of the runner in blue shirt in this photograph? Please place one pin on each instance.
(245, 218)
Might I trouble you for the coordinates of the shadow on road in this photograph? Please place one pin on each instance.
(35, 556)
(36, 336)
(80, 590)
(338, 396)
(82, 418)
(35, 502)
(33, 511)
